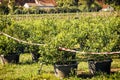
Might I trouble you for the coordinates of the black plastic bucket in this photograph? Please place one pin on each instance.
(12, 58)
(99, 66)
(65, 70)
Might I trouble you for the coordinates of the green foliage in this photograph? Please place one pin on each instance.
(93, 35)
(115, 2)
(89, 34)
(8, 46)
(4, 22)
(4, 7)
(66, 3)
(11, 6)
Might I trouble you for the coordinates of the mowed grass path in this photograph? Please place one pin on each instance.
(26, 70)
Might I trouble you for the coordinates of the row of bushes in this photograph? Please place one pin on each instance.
(41, 11)
(90, 34)
(72, 9)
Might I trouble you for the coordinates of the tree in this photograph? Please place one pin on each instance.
(11, 6)
(116, 2)
(4, 7)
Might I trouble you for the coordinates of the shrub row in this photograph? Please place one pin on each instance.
(90, 34)
(41, 11)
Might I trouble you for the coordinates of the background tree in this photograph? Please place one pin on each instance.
(116, 2)
(11, 6)
(4, 7)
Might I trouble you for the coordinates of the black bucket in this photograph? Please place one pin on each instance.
(65, 70)
(12, 58)
(35, 57)
(99, 66)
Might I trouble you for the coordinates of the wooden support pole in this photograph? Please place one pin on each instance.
(70, 50)
(21, 41)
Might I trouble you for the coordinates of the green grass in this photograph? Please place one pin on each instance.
(26, 70)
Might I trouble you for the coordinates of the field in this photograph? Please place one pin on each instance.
(26, 70)
(61, 15)
(87, 32)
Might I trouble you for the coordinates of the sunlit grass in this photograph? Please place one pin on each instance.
(116, 63)
(27, 70)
